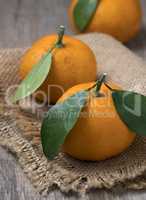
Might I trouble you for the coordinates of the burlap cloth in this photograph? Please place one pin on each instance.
(19, 129)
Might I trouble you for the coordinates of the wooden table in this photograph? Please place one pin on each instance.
(21, 22)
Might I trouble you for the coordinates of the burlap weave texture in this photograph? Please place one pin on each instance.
(18, 128)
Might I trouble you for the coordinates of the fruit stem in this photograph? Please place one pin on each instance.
(59, 42)
(100, 82)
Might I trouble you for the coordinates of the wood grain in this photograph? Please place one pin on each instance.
(22, 22)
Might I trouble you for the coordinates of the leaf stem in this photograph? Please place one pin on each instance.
(110, 88)
(61, 32)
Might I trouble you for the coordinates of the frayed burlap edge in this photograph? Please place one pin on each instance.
(45, 174)
(64, 172)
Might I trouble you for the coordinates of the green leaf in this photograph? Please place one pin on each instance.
(59, 121)
(83, 12)
(34, 79)
(131, 108)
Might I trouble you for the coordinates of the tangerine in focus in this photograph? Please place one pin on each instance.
(99, 133)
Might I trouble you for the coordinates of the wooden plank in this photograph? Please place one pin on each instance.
(22, 22)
